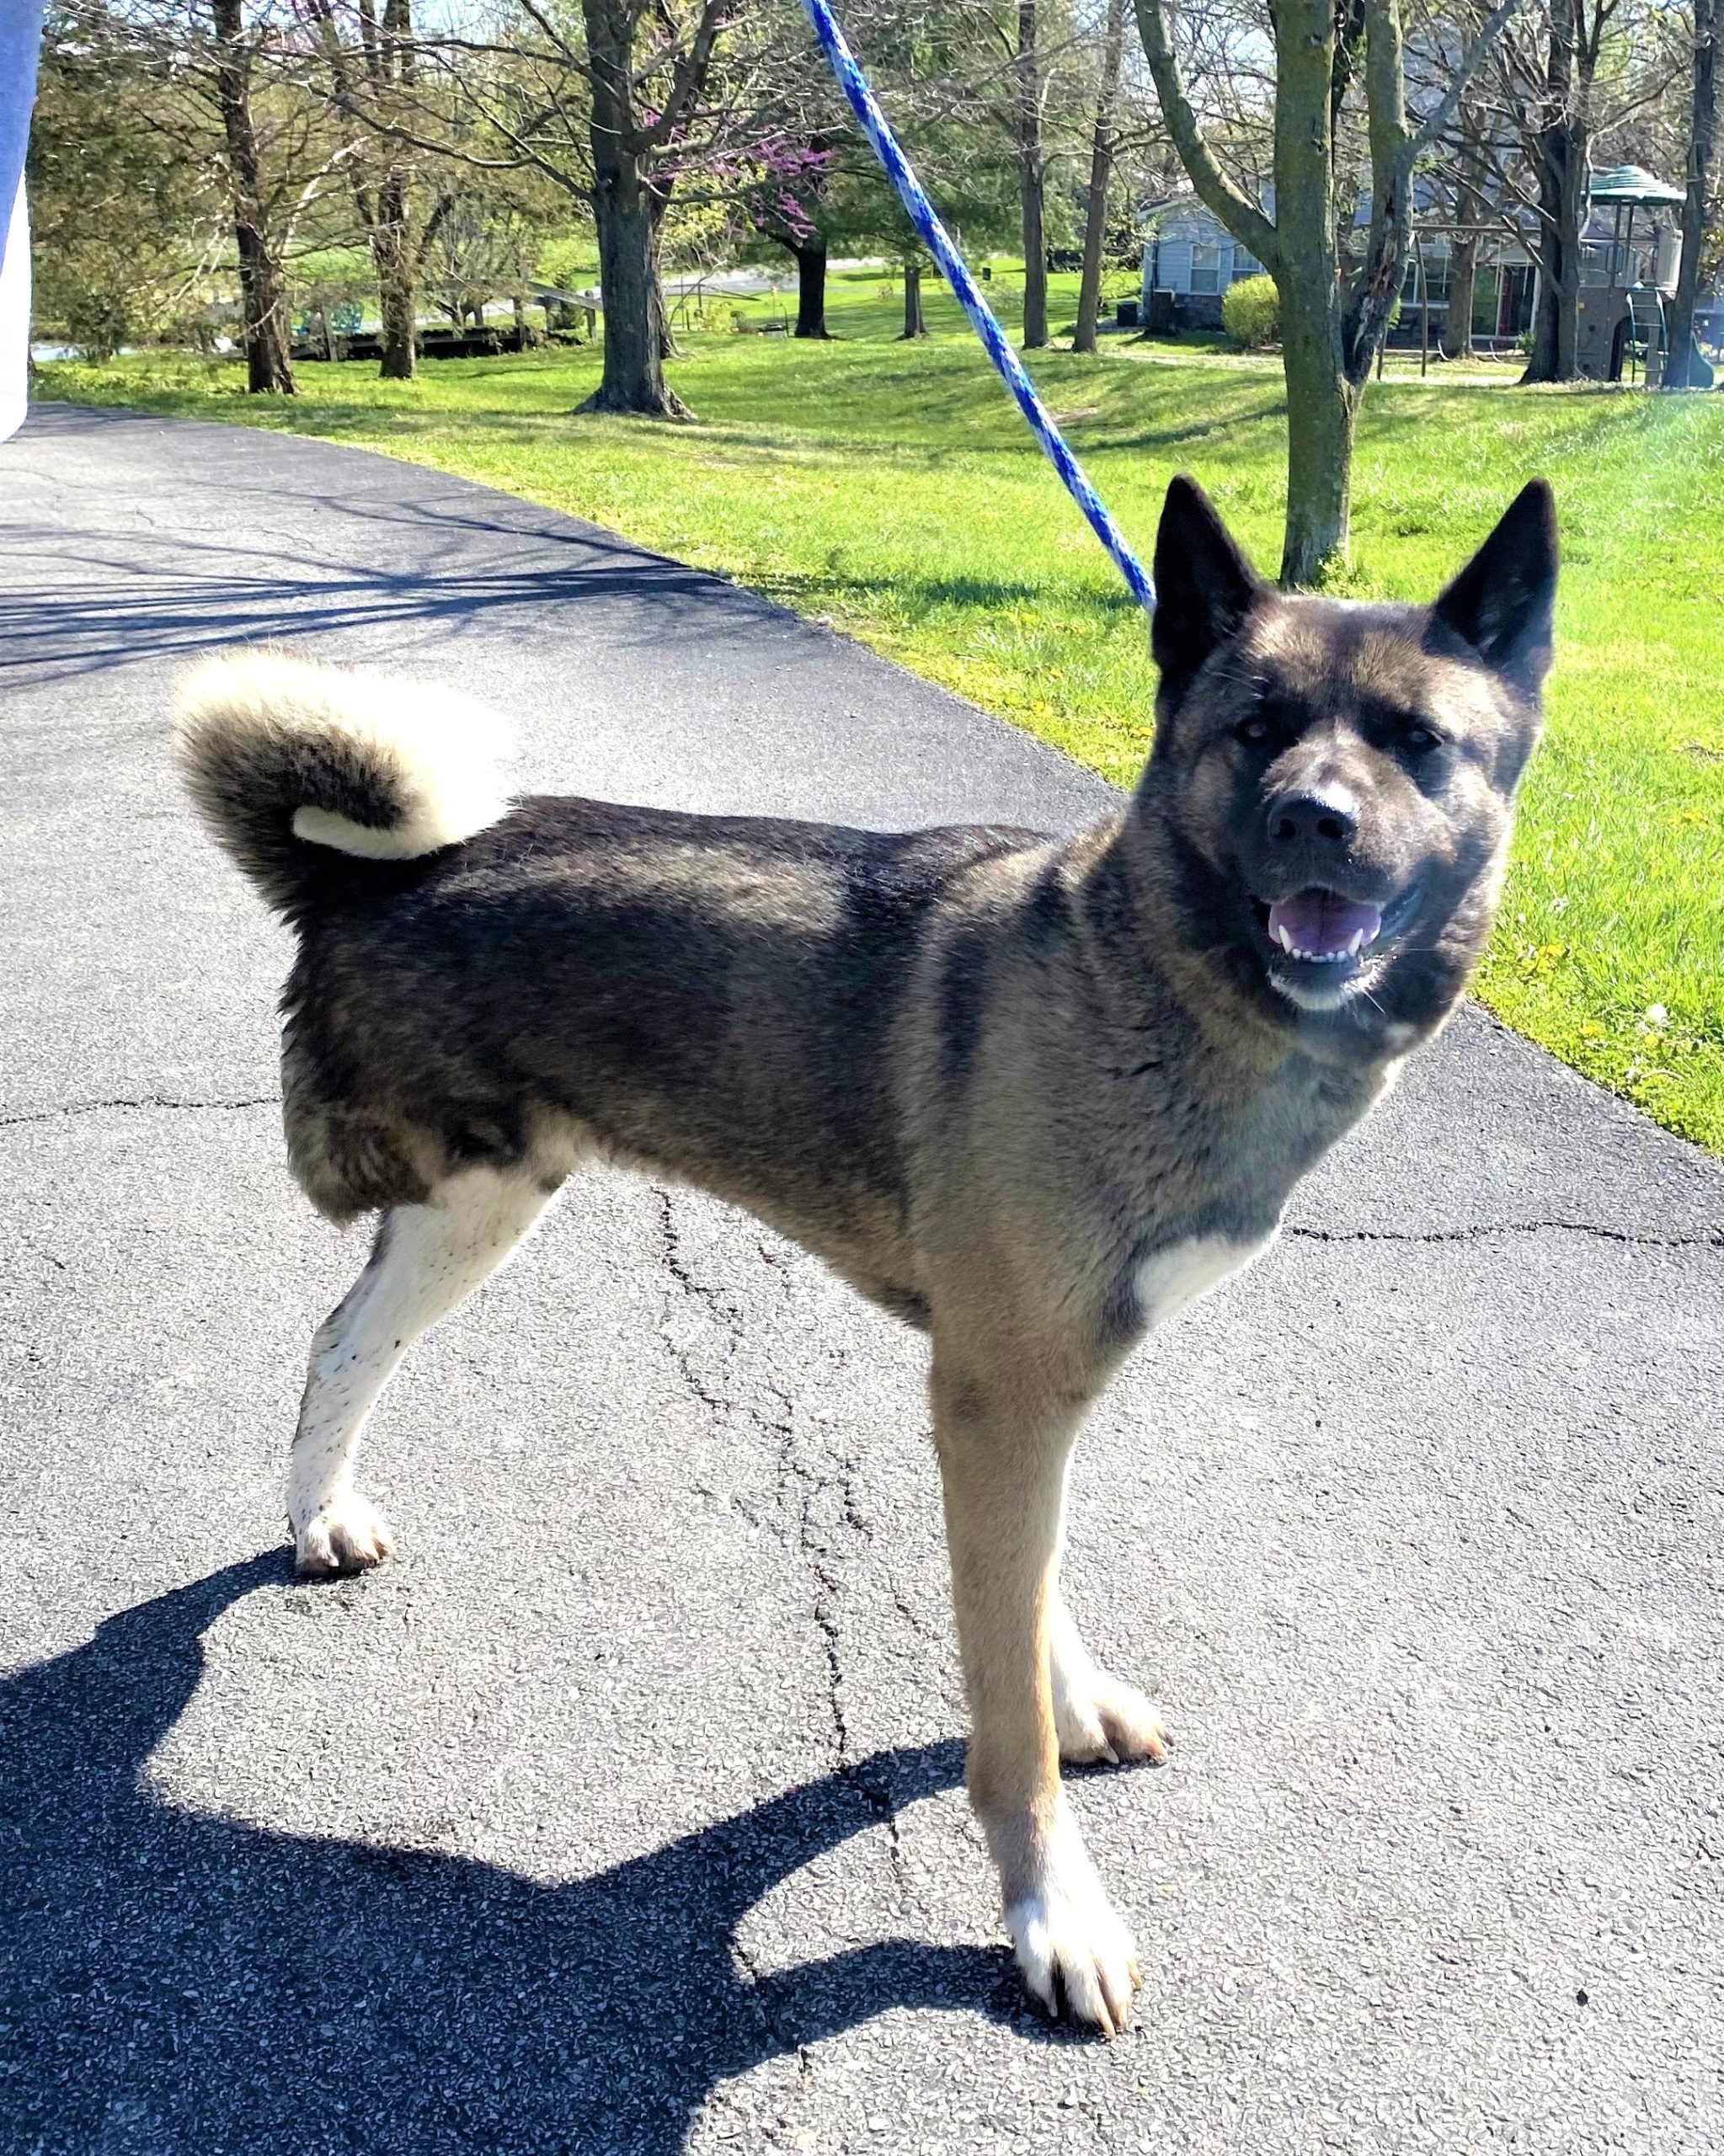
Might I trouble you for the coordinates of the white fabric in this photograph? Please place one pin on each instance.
(20, 41)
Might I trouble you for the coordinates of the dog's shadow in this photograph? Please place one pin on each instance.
(173, 1982)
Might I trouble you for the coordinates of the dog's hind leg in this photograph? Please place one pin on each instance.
(426, 1259)
(1003, 1441)
(1096, 1716)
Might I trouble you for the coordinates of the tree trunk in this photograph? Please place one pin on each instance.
(668, 349)
(1541, 361)
(811, 288)
(1557, 324)
(1095, 228)
(396, 287)
(634, 377)
(1561, 161)
(1321, 408)
(1320, 404)
(914, 326)
(1573, 221)
(388, 63)
(1687, 368)
(1330, 334)
(400, 309)
(659, 193)
(1456, 341)
(263, 295)
(264, 306)
(1031, 179)
(1470, 208)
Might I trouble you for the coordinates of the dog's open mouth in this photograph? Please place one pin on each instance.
(1319, 941)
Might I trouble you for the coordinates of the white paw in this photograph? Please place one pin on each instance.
(1069, 1945)
(1099, 1718)
(346, 1533)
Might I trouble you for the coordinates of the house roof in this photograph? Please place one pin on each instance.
(1187, 202)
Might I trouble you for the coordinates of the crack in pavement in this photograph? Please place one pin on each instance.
(141, 1101)
(823, 1564)
(1708, 1238)
(804, 1480)
(761, 1991)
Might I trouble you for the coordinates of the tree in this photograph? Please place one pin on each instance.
(785, 203)
(1557, 103)
(484, 245)
(263, 289)
(127, 215)
(626, 137)
(953, 84)
(1469, 203)
(1682, 372)
(1032, 178)
(1334, 310)
(382, 56)
(626, 106)
(1013, 64)
(1570, 77)
(1102, 150)
(225, 86)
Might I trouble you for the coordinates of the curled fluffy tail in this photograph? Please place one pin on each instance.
(285, 758)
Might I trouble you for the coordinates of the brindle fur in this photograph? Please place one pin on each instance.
(1027, 1093)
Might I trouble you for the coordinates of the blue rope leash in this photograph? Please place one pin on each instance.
(923, 216)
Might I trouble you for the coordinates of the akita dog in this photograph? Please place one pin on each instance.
(1032, 1094)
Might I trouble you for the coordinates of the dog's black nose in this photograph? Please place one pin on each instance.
(1313, 813)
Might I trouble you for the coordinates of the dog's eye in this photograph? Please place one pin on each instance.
(1419, 738)
(1254, 731)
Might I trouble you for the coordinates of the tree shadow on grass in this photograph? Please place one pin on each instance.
(917, 597)
(171, 1982)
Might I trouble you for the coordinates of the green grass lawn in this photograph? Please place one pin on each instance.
(893, 490)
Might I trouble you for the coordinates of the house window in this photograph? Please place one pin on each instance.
(1245, 264)
(1206, 269)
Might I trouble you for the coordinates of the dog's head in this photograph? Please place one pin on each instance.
(1336, 779)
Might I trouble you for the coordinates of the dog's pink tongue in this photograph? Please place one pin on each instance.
(1319, 925)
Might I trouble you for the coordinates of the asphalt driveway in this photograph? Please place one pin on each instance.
(622, 1812)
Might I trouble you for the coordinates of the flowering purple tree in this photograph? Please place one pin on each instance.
(784, 201)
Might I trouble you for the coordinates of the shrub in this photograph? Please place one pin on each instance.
(1251, 312)
(99, 321)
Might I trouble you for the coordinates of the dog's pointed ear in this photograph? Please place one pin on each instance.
(1204, 586)
(1503, 601)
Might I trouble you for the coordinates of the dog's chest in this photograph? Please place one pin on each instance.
(1180, 1274)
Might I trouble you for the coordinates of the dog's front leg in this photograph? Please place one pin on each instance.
(1002, 1467)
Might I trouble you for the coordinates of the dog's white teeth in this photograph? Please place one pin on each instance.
(1283, 935)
